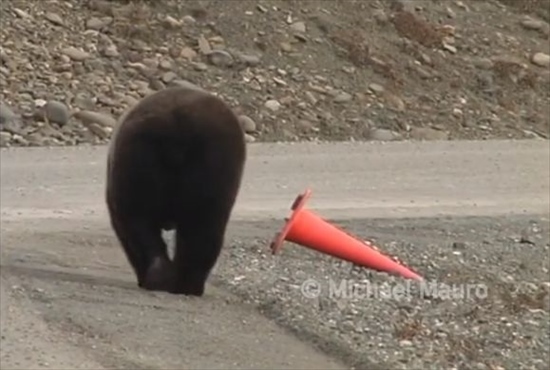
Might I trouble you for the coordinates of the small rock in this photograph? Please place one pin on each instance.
(40, 103)
(173, 22)
(97, 24)
(541, 59)
(165, 65)
(300, 37)
(6, 114)
(130, 100)
(343, 97)
(204, 45)
(525, 240)
(450, 12)
(380, 134)
(508, 62)
(21, 13)
(378, 63)
(459, 245)
(216, 41)
(185, 84)
(483, 63)
(450, 48)
(279, 81)
(54, 18)
(169, 77)
(298, 27)
(311, 98)
(462, 6)
(188, 53)
(105, 100)
(272, 105)
(152, 63)
(247, 124)
(45, 130)
(306, 126)
(286, 47)
(4, 58)
(156, 84)
(189, 20)
(405, 343)
(89, 117)
(425, 59)
(18, 139)
(249, 60)
(428, 134)
(457, 112)
(376, 88)
(220, 58)
(75, 54)
(395, 102)
(57, 112)
(111, 51)
(100, 131)
(533, 24)
(5, 138)
(423, 73)
(532, 135)
(249, 138)
(199, 66)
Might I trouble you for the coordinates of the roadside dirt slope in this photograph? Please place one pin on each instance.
(315, 70)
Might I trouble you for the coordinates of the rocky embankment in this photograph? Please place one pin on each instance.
(394, 70)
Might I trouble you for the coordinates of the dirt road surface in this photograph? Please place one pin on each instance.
(69, 301)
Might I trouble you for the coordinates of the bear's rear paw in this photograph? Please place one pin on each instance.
(159, 276)
(188, 287)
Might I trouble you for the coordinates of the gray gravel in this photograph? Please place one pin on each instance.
(503, 326)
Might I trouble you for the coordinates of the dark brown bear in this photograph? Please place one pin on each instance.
(175, 162)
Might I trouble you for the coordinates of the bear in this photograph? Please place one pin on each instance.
(175, 162)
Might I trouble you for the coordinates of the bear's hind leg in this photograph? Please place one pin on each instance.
(198, 245)
(147, 253)
(131, 250)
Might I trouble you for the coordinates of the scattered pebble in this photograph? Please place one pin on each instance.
(541, 59)
(54, 18)
(57, 112)
(76, 54)
(428, 134)
(6, 114)
(298, 27)
(272, 105)
(343, 97)
(247, 123)
(89, 117)
(220, 58)
(376, 88)
(380, 134)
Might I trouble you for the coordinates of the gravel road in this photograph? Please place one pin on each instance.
(459, 213)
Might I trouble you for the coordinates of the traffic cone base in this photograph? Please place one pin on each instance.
(305, 228)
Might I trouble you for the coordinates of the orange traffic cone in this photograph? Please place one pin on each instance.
(309, 230)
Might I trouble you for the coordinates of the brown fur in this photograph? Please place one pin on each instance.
(175, 162)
